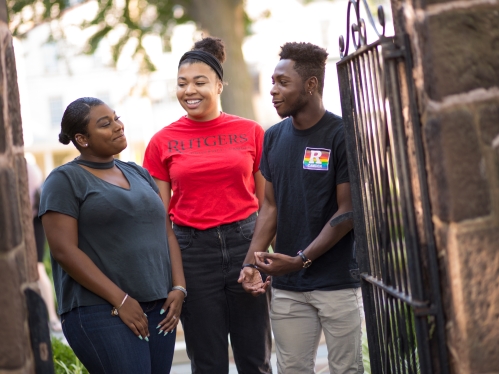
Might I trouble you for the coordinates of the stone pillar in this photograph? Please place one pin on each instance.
(18, 270)
(455, 47)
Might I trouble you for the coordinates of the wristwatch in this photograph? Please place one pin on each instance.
(306, 261)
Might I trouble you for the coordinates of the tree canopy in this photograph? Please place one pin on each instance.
(222, 18)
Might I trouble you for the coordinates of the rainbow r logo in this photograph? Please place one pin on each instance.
(316, 159)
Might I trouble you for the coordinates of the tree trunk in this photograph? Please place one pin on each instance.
(225, 19)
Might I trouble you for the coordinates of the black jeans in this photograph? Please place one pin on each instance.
(217, 306)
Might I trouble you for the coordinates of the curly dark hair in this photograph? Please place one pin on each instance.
(212, 45)
(310, 60)
(75, 119)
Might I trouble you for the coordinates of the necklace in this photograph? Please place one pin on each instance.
(95, 165)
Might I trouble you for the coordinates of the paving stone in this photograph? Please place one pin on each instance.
(12, 313)
(3, 139)
(458, 186)
(26, 217)
(13, 94)
(461, 51)
(489, 122)
(10, 220)
(477, 256)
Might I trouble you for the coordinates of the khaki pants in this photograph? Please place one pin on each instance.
(298, 318)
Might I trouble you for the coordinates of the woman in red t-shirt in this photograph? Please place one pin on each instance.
(206, 166)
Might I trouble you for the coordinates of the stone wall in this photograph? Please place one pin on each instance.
(455, 46)
(17, 247)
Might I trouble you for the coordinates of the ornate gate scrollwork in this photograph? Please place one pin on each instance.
(392, 219)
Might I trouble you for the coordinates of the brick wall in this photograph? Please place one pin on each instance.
(17, 247)
(455, 45)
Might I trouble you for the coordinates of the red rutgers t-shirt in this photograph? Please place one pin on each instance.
(210, 167)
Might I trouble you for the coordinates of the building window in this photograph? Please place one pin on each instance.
(56, 110)
(50, 57)
(70, 3)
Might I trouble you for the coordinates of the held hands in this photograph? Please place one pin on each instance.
(173, 305)
(252, 281)
(133, 316)
(277, 264)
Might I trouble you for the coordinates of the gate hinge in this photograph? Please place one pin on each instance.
(421, 311)
(393, 52)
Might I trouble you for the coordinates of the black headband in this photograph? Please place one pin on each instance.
(205, 57)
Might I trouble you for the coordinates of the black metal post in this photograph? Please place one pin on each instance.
(359, 228)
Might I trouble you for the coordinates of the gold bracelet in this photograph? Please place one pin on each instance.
(114, 311)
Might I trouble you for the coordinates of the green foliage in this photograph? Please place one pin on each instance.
(47, 263)
(65, 361)
(48, 269)
(400, 341)
(140, 18)
(365, 353)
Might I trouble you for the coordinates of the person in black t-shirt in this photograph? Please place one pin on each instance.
(304, 163)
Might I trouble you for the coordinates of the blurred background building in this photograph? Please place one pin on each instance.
(53, 71)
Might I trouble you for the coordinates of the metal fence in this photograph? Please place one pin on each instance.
(393, 229)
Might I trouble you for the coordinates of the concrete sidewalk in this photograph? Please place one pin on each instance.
(181, 363)
(321, 366)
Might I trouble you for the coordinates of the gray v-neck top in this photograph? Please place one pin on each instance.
(123, 231)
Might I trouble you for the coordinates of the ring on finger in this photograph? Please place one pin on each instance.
(174, 317)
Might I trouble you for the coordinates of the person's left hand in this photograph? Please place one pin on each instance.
(277, 264)
(173, 305)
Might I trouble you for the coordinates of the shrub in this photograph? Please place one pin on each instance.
(65, 361)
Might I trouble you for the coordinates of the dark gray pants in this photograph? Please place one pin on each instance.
(217, 306)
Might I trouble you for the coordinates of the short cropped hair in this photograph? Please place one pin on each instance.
(310, 60)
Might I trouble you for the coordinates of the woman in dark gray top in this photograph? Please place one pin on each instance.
(113, 273)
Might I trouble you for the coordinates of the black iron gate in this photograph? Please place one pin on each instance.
(393, 227)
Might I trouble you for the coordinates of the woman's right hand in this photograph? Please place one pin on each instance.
(133, 316)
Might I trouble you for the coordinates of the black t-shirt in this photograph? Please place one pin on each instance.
(305, 166)
(123, 231)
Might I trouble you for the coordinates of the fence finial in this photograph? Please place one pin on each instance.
(359, 27)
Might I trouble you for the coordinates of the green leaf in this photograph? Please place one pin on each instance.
(95, 39)
(65, 360)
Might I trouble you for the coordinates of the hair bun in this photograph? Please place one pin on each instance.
(64, 139)
(212, 45)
